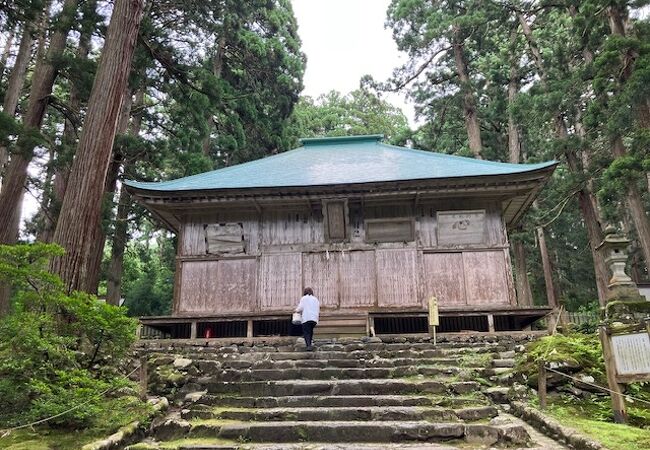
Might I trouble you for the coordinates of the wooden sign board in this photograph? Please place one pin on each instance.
(461, 227)
(434, 318)
(224, 238)
(631, 354)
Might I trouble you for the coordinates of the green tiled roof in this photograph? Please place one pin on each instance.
(340, 160)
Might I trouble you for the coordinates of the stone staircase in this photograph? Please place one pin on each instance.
(367, 393)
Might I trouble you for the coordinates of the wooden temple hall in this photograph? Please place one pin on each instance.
(375, 230)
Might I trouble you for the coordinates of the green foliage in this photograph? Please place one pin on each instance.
(56, 350)
(149, 278)
(359, 112)
(577, 350)
(112, 414)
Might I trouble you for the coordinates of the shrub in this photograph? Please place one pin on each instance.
(57, 351)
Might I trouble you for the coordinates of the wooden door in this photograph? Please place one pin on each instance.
(397, 278)
(358, 280)
(280, 281)
(486, 280)
(320, 271)
(444, 278)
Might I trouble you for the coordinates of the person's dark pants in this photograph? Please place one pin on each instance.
(308, 331)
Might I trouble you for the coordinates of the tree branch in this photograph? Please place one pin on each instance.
(419, 71)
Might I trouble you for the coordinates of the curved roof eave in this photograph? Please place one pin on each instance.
(145, 188)
(339, 161)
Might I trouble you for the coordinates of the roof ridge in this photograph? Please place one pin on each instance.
(340, 139)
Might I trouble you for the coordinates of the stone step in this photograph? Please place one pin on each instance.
(309, 373)
(503, 362)
(300, 354)
(384, 413)
(338, 387)
(289, 344)
(371, 432)
(221, 444)
(329, 401)
(333, 363)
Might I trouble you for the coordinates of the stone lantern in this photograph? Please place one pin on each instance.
(614, 248)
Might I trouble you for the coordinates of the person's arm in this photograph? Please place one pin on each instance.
(300, 307)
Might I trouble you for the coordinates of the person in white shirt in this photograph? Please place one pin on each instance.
(309, 306)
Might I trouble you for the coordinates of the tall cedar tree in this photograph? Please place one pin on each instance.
(81, 209)
(436, 37)
(45, 73)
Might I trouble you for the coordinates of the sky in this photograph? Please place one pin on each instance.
(344, 40)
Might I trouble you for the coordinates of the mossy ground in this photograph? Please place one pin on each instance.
(592, 418)
(117, 413)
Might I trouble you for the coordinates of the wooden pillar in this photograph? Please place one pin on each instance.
(618, 402)
(490, 319)
(144, 377)
(249, 328)
(193, 328)
(541, 384)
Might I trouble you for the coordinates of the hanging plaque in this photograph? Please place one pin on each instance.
(461, 227)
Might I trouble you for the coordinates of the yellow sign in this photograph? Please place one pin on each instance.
(434, 320)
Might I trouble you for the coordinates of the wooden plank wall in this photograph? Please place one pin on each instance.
(320, 271)
(469, 278)
(291, 227)
(358, 275)
(279, 281)
(375, 275)
(224, 286)
(444, 278)
(485, 278)
(397, 279)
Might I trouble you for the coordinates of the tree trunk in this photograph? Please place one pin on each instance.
(551, 291)
(514, 142)
(11, 196)
(116, 266)
(522, 284)
(65, 156)
(82, 206)
(615, 20)
(5, 53)
(109, 194)
(590, 215)
(15, 84)
(469, 104)
(532, 45)
(115, 269)
(217, 69)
